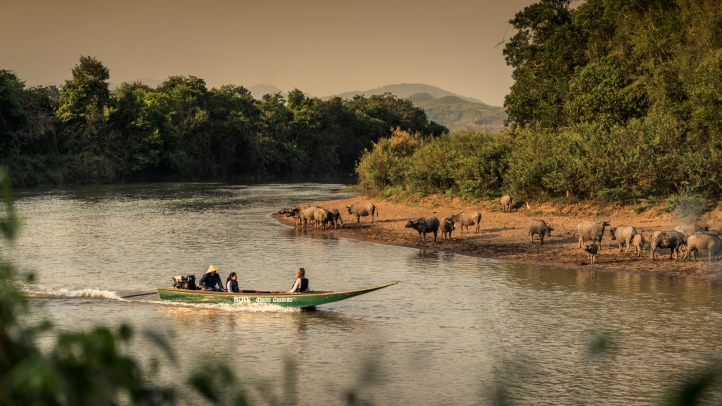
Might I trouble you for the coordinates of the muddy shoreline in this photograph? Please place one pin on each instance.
(503, 236)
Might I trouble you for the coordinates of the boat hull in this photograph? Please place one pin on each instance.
(302, 300)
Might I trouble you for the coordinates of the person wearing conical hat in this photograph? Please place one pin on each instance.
(211, 281)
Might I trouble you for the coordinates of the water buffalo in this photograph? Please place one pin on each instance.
(674, 240)
(715, 225)
(623, 235)
(468, 218)
(592, 249)
(307, 215)
(689, 228)
(362, 210)
(320, 217)
(334, 217)
(447, 226)
(638, 243)
(592, 230)
(294, 212)
(701, 241)
(506, 204)
(540, 227)
(424, 225)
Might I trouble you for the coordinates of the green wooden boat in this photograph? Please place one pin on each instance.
(304, 300)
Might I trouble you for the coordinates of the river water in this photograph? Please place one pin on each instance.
(454, 330)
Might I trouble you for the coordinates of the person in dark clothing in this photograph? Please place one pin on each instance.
(211, 279)
(232, 283)
(301, 284)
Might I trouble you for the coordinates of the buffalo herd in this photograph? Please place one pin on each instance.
(684, 241)
(322, 218)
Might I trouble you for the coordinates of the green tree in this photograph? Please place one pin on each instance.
(234, 145)
(144, 138)
(81, 108)
(12, 115)
(544, 53)
(186, 102)
(601, 93)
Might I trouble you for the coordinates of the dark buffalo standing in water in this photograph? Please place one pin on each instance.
(468, 218)
(424, 225)
(362, 210)
(541, 228)
(591, 230)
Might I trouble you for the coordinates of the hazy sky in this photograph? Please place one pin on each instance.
(320, 47)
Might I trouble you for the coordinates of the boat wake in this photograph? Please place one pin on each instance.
(41, 292)
(234, 308)
(60, 293)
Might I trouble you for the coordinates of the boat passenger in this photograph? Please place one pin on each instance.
(211, 279)
(301, 284)
(232, 283)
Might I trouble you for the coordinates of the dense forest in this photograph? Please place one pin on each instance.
(613, 99)
(84, 132)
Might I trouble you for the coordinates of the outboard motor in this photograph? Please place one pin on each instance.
(184, 282)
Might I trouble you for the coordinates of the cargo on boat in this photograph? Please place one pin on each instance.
(303, 300)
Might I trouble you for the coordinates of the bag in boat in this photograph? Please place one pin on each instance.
(184, 282)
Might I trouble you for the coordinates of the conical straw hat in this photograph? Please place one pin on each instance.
(211, 269)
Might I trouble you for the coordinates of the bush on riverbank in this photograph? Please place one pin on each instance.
(654, 157)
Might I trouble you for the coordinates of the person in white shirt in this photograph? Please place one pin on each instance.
(301, 284)
(232, 283)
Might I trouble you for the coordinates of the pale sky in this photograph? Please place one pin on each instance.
(320, 47)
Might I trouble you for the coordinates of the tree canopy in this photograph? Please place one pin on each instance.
(610, 61)
(84, 132)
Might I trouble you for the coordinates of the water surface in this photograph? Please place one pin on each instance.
(451, 329)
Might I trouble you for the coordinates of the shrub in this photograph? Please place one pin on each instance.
(693, 205)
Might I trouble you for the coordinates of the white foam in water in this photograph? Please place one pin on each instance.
(37, 291)
(238, 307)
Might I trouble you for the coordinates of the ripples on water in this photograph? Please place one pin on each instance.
(452, 327)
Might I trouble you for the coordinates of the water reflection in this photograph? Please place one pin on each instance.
(445, 331)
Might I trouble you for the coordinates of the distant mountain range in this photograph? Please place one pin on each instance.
(404, 91)
(459, 114)
(456, 112)
(258, 91)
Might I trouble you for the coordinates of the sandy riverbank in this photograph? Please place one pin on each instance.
(504, 235)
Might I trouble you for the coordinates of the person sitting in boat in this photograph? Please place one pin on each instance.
(301, 284)
(211, 279)
(232, 283)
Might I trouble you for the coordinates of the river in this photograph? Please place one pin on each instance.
(453, 329)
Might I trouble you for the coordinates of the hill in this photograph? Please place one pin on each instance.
(459, 114)
(258, 91)
(404, 91)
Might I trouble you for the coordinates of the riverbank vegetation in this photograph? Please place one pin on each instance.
(612, 100)
(85, 132)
